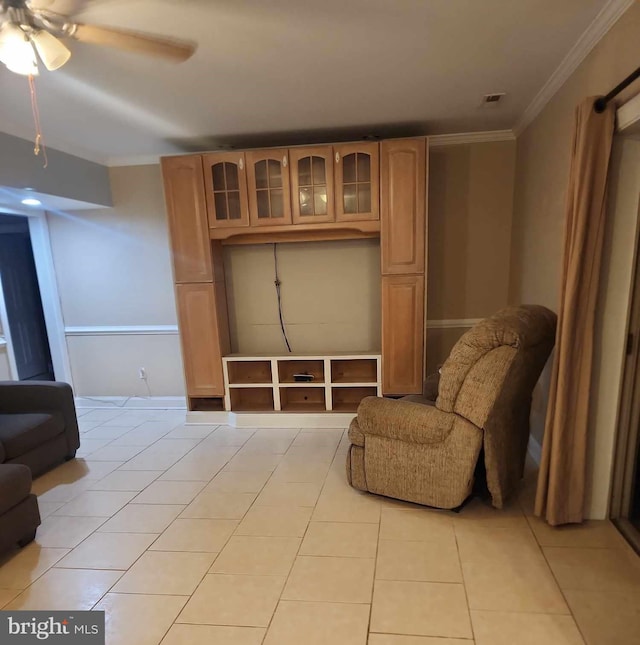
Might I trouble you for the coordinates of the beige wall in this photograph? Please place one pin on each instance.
(470, 209)
(330, 297)
(542, 168)
(113, 269)
(331, 290)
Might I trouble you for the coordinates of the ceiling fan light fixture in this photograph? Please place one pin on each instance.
(16, 50)
(53, 52)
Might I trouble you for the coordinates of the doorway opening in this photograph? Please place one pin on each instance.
(23, 302)
(625, 500)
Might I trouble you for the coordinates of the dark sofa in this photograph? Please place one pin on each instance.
(38, 424)
(38, 430)
(19, 513)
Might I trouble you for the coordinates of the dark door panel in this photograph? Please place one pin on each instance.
(24, 306)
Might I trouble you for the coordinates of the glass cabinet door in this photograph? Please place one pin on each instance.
(357, 181)
(312, 194)
(226, 188)
(268, 181)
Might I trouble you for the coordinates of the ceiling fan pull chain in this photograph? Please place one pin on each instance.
(39, 145)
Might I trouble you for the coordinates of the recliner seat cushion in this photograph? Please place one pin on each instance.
(21, 433)
(15, 485)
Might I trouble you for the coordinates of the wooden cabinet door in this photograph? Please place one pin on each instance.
(225, 181)
(403, 182)
(200, 338)
(187, 214)
(357, 181)
(312, 194)
(402, 334)
(269, 187)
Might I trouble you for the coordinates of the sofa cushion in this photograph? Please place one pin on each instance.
(21, 433)
(15, 485)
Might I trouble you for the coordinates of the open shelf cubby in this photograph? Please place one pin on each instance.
(206, 404)
(302, 399)
(252, 399)
(246, 372)
(354, 370)
(286, 370)
(347, 399)
(266, 383)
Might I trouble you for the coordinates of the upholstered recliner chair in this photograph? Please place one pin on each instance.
(426, 449)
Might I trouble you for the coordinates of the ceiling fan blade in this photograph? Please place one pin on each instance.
(134, 41)
(62, 7)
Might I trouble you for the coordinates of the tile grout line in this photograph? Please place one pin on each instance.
(158, 536)
(295, 557)
(464, 582)
(230, 536)
(375, 569)
(70, 549)
(275, 609)
(553, 575)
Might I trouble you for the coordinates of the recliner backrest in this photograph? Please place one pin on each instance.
(512, 344)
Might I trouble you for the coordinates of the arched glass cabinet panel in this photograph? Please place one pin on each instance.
(312, 193)
(357, 181)
(268, 180)
(226, 188)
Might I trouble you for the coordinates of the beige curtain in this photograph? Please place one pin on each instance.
(561, 482)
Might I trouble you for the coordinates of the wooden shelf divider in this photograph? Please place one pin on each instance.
(266, 383)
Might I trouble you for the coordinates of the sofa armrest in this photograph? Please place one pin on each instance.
(42, 396)
(34, 396)
(404, 420)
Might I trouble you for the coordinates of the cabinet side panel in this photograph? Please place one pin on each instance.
(220, 296)
(187, 215)
(200, 339)
(403, 206)
(402, 334)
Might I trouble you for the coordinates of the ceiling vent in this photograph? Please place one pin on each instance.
(492, 100)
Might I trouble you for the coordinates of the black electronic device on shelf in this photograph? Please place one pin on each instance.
(303, 378)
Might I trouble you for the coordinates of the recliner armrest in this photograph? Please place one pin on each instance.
(404, 420)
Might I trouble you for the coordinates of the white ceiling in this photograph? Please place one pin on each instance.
(313, 70)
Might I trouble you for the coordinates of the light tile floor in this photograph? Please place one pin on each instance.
(210, 534)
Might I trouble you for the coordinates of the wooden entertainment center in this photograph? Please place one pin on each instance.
(301, 194)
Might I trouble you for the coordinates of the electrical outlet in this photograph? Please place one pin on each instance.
(142, 374)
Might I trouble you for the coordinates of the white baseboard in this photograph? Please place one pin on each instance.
(133, 402)
(273, 419)
(235, 419)
(534, 449)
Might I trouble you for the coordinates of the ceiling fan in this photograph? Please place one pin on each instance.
(29, 32)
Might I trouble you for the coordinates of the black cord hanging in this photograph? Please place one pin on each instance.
(277, 283)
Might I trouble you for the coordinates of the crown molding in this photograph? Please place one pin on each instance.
(460, 138)
(594, 33)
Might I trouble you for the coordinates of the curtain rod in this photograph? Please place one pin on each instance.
(600, 104)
